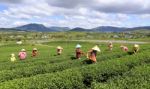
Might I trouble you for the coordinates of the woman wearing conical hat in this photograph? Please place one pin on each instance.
(12, 58)
(22, 54)
(78, 51)
(110, 46)
(59, 50)
(124, 48)
(91, 55)
(34, 52)
(135, 48)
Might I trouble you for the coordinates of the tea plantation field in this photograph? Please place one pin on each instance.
(114, 69)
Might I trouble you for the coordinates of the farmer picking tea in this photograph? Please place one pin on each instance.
(135, 48)
(22, 54)
(78, 51)
(59, 50)
(110, 46)
(34, 52)
(91, 55)
(124, 48)
(12, 58)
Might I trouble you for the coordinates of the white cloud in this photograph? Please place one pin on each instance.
(19, 23)
(28, 11)
(11, 1)
(107, 6)
(74, 13)
(145, 16)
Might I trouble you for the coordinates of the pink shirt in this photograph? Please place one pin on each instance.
(22, 55)
(125, 48)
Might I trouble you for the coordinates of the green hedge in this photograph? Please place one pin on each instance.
(48, 68)
(37, 61)
(11, 65)
(137, 78)
(80, 78)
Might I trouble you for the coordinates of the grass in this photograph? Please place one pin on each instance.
(55, 72)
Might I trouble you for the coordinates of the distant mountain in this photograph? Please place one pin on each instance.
(100, 29)
(78, 29)
(34, 27)
(139, 28)
(59, 29)
(41, 28)
(109, 29)
(10, 30)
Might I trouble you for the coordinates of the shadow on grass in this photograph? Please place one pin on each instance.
(73, 58)
(130, 53)
(87, 62)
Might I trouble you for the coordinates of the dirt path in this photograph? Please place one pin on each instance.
(103, 41)
(114, 41)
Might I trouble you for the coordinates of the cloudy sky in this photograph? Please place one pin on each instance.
(75, 13)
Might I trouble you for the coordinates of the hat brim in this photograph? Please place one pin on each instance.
(96, 48)
(78, 46)
(59, 48)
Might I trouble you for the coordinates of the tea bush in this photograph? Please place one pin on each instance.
(137, 78)
(48, 68)
(80, 78)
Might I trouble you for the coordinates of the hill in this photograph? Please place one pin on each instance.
(112, 29)
(109, 29)
(59, 29)
(78, 29)
(11, 30)
(42, 28)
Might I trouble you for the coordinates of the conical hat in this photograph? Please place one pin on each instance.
(135, 45)
(12, 54)
(78, 46)
(34, 48)
(59, 47)
(96, 48)
(122, 46)
(23, 50)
